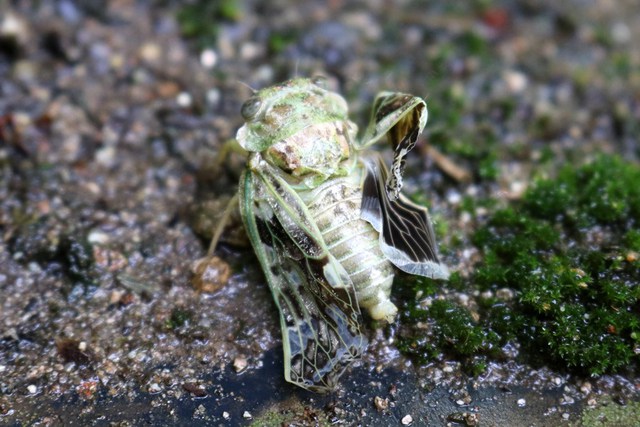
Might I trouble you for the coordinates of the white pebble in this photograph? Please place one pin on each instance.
(521, 403)
(517, 188)
(406, 420)
(515, 81)
(454, 197)
(240, 363)
(32, 389)
(98, 237)
(184, 99)
(106, 156)
(247, 415)
(208, 58)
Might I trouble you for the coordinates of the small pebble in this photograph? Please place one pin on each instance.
(226, 415)
(517, 189)
(151, 52)
(407, 420)
(454, 197)
(184, 100)
(380, 403)
(515, 81)
(32, 389)
(522, 403)
(586, 387)
(208, 58)
(106, 156)
(240, 363)
(505, 294)
(247, 415)
(98, 237)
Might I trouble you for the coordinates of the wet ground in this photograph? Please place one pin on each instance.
(110, 119)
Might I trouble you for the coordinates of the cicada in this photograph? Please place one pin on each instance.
(327, 220)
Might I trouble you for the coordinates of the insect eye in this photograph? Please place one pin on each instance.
(250, 108)
(320, 81)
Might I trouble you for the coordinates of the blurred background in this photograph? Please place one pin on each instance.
(111, 117)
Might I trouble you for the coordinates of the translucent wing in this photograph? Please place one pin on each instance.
(401, 117)
(406, 235)
(319, 313)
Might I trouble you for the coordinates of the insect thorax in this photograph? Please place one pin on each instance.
(335, 208)
(316, 152)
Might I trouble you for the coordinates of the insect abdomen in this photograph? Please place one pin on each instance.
(335, 207)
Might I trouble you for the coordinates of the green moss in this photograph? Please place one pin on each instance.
(441, 328)
(604, 192)
(568, 253)
(632, 239)
(278, 42)
(200, 19)
(178, 318)
(608, 413)
(474, 43)
(576, 302)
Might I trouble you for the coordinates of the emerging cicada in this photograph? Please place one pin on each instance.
(327, 220)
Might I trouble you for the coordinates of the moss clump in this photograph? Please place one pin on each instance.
(605, 192)
(564, 250)
(567, 253)
(441, 328)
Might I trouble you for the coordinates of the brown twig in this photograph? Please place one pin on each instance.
(446, 165)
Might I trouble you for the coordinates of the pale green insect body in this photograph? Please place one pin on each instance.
(335, 208)
(315, 149)
(327, 221)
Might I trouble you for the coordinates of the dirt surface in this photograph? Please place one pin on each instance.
(110, 120)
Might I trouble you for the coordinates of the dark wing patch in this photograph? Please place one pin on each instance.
(401, 117)
(406, 235)
(403, 137)
(319, 313)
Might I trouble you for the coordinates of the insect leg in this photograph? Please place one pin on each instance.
(233, 202)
